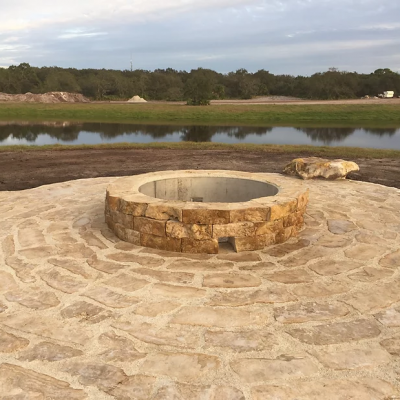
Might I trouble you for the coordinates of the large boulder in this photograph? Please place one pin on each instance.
(314, 167)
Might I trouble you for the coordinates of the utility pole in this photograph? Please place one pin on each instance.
(131, 63)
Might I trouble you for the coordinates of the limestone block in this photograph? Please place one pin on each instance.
(250, 214)
(205, 216)
(239, 229)
(266, 228)
(199, 246)
(132, 208)
(160, 243)
(283, 209)
(163, 211)
(123, 219)
(149, 226)
(179, 230)
(314, 167)
(251, 242)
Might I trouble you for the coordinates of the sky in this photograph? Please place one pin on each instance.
(296, 37)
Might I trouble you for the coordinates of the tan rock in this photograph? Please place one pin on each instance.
(370, 274)
(37, 253)
(290, 276)
(283, 209)
(205, 216)
(231, 280)
(110, 298)
(340, 227)
(192, 392)
(183, 292)
(250, 243)
(47, 327)
(200, 246)
(392, 345)
(179, 230)
(156, 308)
(77, 250)
(364, 252)
(105, 266)
(160, 242)
(254, 340)
(140, 386)
(261, 266)
(23, 270)
(7, 282)
(62, 282)
(119, 348)
(306, 255)
(31, 237)
(333, 267)
(269, 227)
(196, 366)
(3, 307)
(368, 388)
(242, 257)
(216, 317)
(104, 376)
(149, 226)
(47, 351)
(256, 214)
(253, 370)
(135, 258)
(304, 312)
(92, 240)
(124, 220)
(24, 383)
(241, 298)
(370, 239)
(132, 208)
(164, 336)
(83, 310)
(391, 260)
(285, 234)
(205, 266)
(10, 343)
(126, 282)
(287, 248)
(389, 317)
(165, 276)
(353, 358)
(164, 211)
(320, 289)
(338, 332)
(314, 167)
(238, 229)
(334, 241)
(37, 300)
(8, 246)
(72, 266)
(382, 296)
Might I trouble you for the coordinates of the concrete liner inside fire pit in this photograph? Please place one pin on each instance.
(191, 211)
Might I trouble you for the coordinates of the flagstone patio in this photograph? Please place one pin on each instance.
(84, 315)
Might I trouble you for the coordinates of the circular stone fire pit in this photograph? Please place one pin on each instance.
(194, 211)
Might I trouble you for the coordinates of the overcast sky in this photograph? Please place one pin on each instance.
(298, 37)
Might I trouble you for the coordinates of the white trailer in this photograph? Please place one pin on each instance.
(388, 95)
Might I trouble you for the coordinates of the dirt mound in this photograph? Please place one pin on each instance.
(50, 97)
(137, 99)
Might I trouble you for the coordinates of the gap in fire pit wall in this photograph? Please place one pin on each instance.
(208, 189)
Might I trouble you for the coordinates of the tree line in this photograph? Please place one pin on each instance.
(197, 86)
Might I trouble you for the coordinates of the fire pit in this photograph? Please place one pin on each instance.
(195, 211)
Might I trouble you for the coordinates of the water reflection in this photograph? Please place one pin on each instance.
(95, 132)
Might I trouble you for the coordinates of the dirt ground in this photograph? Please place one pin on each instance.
(24, 170)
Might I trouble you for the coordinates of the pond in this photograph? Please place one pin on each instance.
(67, 132)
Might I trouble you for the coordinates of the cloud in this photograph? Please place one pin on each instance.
(288, 36)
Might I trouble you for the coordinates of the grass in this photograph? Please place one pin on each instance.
(323, 151)
(244, 113)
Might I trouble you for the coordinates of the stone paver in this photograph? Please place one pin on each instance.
(84, 315)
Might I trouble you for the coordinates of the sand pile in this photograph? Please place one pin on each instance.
(137, 99)
(50, 97)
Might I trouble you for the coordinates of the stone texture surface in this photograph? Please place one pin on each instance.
(84, 315)
(314, 167)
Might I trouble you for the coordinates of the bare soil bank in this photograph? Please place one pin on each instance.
(24, 170)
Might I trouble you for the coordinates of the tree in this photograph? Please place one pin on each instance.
(199, 88)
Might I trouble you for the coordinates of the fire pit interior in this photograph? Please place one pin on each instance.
(194, 211)
(208, 189)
